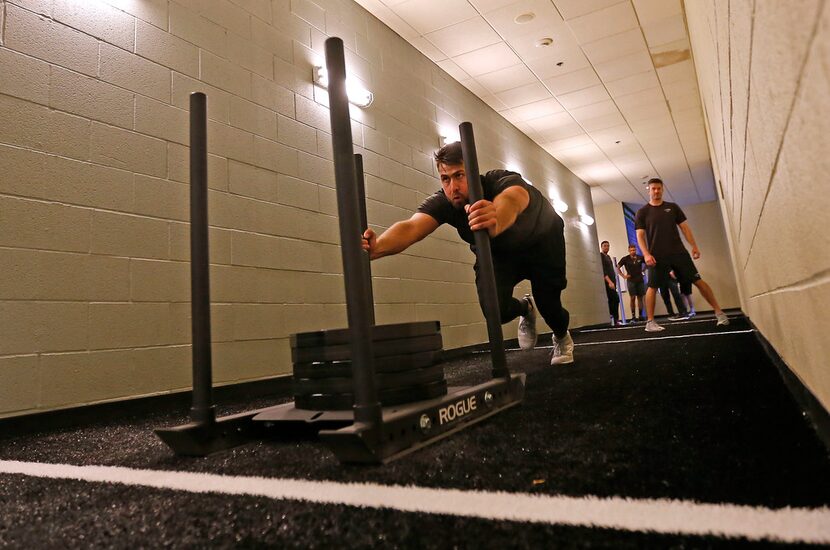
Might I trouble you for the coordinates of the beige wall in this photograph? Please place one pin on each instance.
(715, 264)
(764, 73)
(94, 294)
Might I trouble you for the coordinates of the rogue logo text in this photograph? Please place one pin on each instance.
(456, 410)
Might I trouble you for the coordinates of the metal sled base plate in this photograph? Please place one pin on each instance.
(410, 427)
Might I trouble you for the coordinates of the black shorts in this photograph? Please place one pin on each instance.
(684, 270)
(636, 288)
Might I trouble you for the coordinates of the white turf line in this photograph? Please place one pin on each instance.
(806, 525)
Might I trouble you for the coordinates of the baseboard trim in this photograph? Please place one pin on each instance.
(55, 419)
(816, 414)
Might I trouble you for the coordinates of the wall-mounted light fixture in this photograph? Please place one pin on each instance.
(448, 135)
(357, 94)
(586, 219)
(559, 205)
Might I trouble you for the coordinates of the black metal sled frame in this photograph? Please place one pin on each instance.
(368, 433)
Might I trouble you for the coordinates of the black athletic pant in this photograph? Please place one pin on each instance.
(544, 266)
(671, 287)
(613, 301)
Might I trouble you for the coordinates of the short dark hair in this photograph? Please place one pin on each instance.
(603, 242)
(449, 154)
(654, 180)
(631, 245)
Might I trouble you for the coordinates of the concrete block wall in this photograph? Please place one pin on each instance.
(764, 73)
(94, 273)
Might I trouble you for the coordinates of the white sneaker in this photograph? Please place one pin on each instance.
(679, 317)
(563, 350)
(527, 325)
(652, 326)
(723, 320)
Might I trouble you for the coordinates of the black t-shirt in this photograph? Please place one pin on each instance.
(608, 266)
(660, 224)
(633, 266)
(533, 223)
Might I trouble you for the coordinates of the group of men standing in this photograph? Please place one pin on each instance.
(666, 260)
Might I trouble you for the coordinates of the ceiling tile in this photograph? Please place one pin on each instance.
(506, 79)
(549, 122)
(489, 5)
(487, 59)
(560, 132)
(538, 109)
(633, 83)
(667, 30)
(453, 70)
(494, 102)
(420, 14)
(645, 111)
(522, 95)
(557, 63)
(594, 110)
(609, 136)
(605, 22)
(475, 87)
(643, 97)
(573, 81)
(594, 94)
(602, 122)
(464, 37)
(571, 9)
(545, 16)
(563, 42)
(601, 196)
(588, 153)
(567, 143)
(680, 88)
(616, 69)
(684, 102)
(613, 47)
(677, 72)
(649, 11)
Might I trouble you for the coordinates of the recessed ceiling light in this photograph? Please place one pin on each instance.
(544, 42)
(523, 18)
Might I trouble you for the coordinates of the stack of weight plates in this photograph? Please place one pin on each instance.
(405, 357)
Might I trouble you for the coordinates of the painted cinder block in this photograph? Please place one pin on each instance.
(223, 13)
(275, 156)
(37, 127)
(178, 167)
(152, 11)
(128, 150)
(42, 225)
(99, 20)
(225, 75)
(90, 98)
(296, 192)
(251, 181)
(272, 96)
(128, 325)
(40, 327)
(258, 321)
(251, 117)
(160, 120)
(159, 281)
(21, 383)
(165, 49)
(45, 39)
(202, 32)
(219, 241)
(262, 359)
(269, 37)
(129, 235)
(44, 275)
(127, 70)
(218, 101)
(81, 183)
(296, 134)
(181, 328)
(249, 55)
(23, 76)
(230, 142)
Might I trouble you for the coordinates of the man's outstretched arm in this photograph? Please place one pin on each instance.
(497, 216)
(400, 236)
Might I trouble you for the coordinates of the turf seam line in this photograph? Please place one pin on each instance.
(806, 525)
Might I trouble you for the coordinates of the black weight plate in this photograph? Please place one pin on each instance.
(388, 398)
(308, 386)
(343, 369)
(382, 348)
(338, 336)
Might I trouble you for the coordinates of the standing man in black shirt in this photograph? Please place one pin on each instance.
(634, 265)
(609, 278)
(656, 224)
(527, 242)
